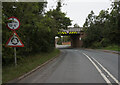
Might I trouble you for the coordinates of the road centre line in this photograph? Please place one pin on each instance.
(101, 73)
(107, 72)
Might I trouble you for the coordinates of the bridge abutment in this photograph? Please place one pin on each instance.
(75, 41)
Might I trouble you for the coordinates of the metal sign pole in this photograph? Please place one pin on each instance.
(14, 41)
(15, 56)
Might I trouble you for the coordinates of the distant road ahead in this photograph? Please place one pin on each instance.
(78, 66)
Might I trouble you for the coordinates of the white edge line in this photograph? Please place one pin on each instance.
(105, 78)
(108, 72)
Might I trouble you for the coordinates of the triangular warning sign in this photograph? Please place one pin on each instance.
(14, 41)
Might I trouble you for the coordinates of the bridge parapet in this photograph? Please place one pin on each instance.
(70, 31)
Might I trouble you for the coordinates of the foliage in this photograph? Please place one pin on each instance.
(96, 45)
(76, 25)
(112, 47)
(62, 22)
(63, 39)
(27, 64)
(37, 28)
(104, 29)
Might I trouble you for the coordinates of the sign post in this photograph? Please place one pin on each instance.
(15, 56)
(15, 53)
(14, 40)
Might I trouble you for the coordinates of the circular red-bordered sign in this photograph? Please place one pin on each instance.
(14, 23)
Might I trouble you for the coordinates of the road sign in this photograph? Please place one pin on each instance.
(14, 23)
(14, 41)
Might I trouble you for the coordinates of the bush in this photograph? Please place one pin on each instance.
(104, 42)
(59, 43)
(96, 45)
(86, 42)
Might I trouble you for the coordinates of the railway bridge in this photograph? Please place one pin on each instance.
(76, 35)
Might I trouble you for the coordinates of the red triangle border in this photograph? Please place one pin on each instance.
(18, 38)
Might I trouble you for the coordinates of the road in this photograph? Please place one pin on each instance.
(78, 66)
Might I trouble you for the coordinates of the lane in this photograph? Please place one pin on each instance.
(108, 60)
(99, 70)
(71, 67)
(42, 74)
(76, 68)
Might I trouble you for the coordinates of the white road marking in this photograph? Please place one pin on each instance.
(104, 77)
(75, 50)
(107, 72)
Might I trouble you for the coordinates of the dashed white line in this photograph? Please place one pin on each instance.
(101, 73)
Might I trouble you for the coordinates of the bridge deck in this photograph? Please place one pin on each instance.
(71, 31)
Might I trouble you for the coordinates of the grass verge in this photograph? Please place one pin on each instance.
(112, 47)
(26, 65)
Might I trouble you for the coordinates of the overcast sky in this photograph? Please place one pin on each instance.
(78, 10)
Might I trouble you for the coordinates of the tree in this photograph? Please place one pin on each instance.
(76, 25)
(37, 30)
(62, 22)
(103, 29)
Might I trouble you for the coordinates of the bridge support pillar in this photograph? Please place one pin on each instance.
(75, 41)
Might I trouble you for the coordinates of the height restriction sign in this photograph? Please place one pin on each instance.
(13, 23)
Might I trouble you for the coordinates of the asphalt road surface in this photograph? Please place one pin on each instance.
(78, 66)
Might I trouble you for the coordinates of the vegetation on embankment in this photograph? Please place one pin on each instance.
(26, 64)
(103, 30)
(112, 47)
(37, 31)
